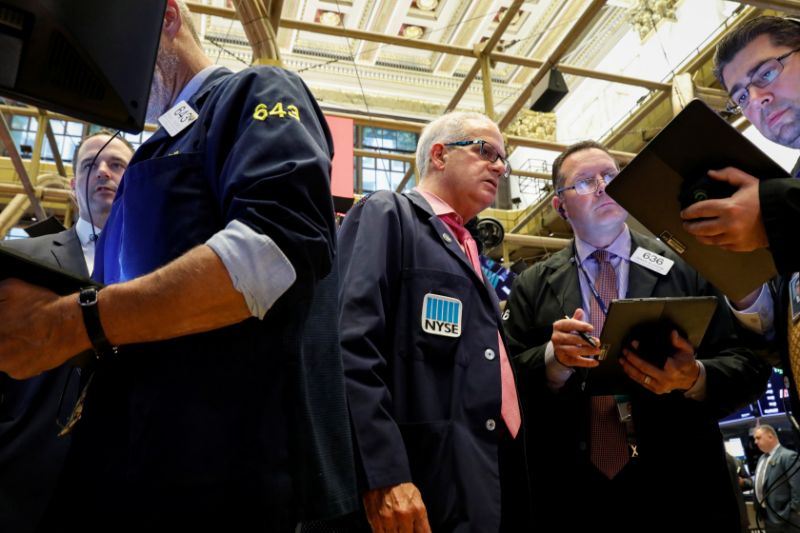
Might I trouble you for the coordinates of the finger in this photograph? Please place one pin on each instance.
(639, 364)
(732, 175)
(561, 338)
(712, 227)
(705, 209)
(681, 344)
(570, 325)
(575, 357)
(404, 520)
(643, 378)
(421, 524)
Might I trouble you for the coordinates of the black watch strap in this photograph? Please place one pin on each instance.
(87, 299)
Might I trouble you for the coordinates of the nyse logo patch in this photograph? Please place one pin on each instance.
(441, 315)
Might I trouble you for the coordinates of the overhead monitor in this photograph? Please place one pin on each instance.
(774, 401)
(90, 59)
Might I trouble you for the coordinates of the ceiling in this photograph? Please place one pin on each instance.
(400, 63)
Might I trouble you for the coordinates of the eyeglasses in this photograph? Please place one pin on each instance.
(766, 73)
(589, 185)
(488, 153)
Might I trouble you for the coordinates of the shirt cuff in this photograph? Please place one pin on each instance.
(557, 374)
(760, 316)
(257, 267)
(698, 390)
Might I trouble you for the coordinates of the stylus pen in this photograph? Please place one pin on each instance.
(584, 336)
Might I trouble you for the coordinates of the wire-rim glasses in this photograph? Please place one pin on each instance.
(765, 74)
(588, 185)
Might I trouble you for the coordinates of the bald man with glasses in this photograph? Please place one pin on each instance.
(758, 64)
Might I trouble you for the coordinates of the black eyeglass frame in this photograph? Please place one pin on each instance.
(485, 156)
(733, 107)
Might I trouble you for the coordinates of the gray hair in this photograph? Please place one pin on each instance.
(767, 429)
(451, 127)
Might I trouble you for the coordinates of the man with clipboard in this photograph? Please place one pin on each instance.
(622, 468)
(759, 66)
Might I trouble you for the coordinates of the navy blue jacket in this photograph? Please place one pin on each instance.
(202, 430)
(425, 407)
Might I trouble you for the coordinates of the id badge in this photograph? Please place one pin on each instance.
(623, 408)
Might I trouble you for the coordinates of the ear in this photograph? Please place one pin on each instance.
(558, 205)
(437, 156)
(172, 20)
(72, 184)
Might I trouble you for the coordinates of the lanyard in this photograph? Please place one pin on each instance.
(589, 282)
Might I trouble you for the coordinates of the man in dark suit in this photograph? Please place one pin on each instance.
(776, 483)
(759, 66)
(31, 453)
(211, 257)
(597, 469)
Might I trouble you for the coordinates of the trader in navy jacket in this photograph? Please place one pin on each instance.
(435, 416)
(218, 237)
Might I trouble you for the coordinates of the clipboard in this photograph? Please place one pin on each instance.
(649, 320)
(671, 170)
(14, 264)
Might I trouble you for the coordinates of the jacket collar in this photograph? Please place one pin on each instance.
(565, 285)
(195, 101)
(448, 240)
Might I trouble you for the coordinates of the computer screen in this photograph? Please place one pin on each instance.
(774, 401)
(90, 59)
(499, 277)
(735, 447)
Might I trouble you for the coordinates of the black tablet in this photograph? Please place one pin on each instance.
(650, 321)
(14, 264)
(671, 172)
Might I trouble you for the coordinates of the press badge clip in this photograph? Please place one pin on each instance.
(178, 118)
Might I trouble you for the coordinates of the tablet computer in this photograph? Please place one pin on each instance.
(650, 321)
(14, 264)
(670, 173)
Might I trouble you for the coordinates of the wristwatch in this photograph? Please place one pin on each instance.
(87, 299)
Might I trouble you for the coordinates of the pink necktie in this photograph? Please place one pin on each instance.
(509, 408)
(609, 442)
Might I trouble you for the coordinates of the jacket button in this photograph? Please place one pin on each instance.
(490, 424)
(489, 354)
(447, 238)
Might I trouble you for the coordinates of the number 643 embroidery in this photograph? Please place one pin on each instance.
(263, 112)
